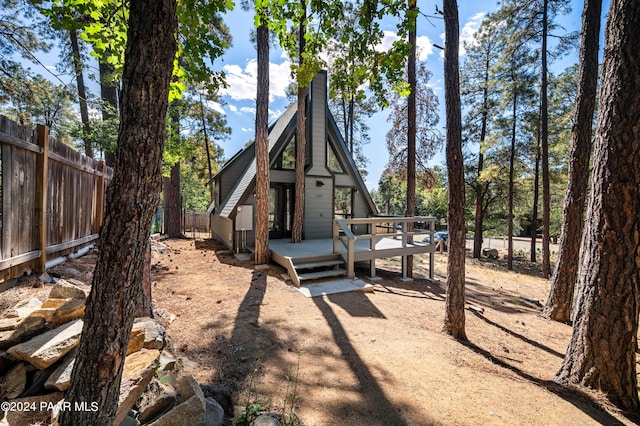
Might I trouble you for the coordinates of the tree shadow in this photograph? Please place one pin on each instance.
(420, 288)
(376, 405)
(520, 336)
(580, 399)
(499, 300)
(356, 304)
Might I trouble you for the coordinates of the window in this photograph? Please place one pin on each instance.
(333, 163)
(343, 204)
(287, 158)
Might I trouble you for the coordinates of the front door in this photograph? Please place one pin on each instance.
(281, 198)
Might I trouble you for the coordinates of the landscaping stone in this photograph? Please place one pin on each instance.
(45, 349)
(14, 382)
(45, 278)
(61, 311)
(137, 373)
(36, 380)
(222, 395)
(167, 362)
(6, 361)
(158, 398)
(61, 376)
(214, 413)
(7, 324)
(23, 308)
(190, 407)
(136, 340)
(266, 420)
(63, 289)
(154, 332)
(26, 329)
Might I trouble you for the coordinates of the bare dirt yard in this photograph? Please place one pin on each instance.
(366, 358)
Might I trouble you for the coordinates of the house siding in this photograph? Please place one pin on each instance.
(319, 125)
(318, 201)
(222, 228)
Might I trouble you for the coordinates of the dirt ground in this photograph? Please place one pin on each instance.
(368, 358)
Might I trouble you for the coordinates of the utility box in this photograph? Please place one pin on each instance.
(244, 218)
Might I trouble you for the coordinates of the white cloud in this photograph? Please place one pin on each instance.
(242, 82)
(216, 107)
(468, 31)
(233, 108)
(424, 44)
(248, 110)
(247, 129)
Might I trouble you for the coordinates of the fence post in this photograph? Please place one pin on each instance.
(100, 195)
(42, 172)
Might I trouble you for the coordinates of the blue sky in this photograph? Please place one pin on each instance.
(239, 63)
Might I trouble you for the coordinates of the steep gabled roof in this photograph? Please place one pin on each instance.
(229, 204)
(352, 164)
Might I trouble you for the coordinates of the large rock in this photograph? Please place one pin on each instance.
(27, 328)
(14, 382)
(222, 395)
(23, 308)
(61, 376)
(7, 324)
(63, 289)
(158, 398)
(214, 413)
(154, 332)
(33, 417)
(137, 373)
(45, 349)
(60, 311)
(190, 408)
(36, 381)
(136, 340)
(6, 361)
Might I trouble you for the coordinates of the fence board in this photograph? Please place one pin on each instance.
(71, 213)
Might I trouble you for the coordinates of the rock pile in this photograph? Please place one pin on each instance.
(38, 343)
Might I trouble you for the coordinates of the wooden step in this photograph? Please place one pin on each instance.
(320, 264)
(322, 274)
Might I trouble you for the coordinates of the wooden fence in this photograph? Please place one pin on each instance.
(51, 199)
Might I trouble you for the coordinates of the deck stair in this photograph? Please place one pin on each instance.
(316, 267)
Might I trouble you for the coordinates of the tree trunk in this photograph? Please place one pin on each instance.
(480, 187)
(534, 215)
(109, 96)
(454, 319)
(207, 150)
(262, 147)
(411, 132)
(544, 134)
(601, 352)
(145, 303)
(301, 139)
(132, 199)
(82, 93)
(512, 158)
(173, 203)
(560, 300)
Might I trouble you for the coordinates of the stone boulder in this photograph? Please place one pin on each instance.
(158, 398)
(154, 332)
(45, 349)
(23, 308)
(42, 414)
(26, 329)
(63, 289)
(137, 373)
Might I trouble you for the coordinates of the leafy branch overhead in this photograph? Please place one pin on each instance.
(202, 35)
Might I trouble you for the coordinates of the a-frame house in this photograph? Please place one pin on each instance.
(333, 185)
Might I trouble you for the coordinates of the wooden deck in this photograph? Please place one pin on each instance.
(291, 256)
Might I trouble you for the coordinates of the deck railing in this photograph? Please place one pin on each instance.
(397, 227)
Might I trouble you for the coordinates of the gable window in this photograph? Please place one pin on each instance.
(287, 158)
(333, 163)
(343, 203)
